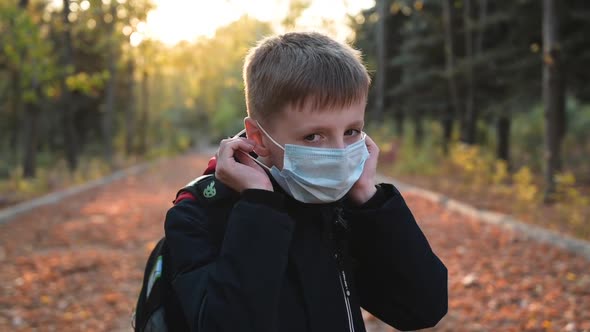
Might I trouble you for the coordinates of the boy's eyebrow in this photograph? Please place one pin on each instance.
(359, 123)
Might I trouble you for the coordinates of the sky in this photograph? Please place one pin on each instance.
(176, 20)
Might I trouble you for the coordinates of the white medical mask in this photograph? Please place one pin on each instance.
(319, 175)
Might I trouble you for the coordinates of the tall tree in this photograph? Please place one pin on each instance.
(30, 115)
(109, 107)
(473, 51)
(449, 46)
(67, 102)
(553, 92)
(16, 93)
(503, 136)
(130, 109)
(468, 135)
(380, 40)
(144, 114)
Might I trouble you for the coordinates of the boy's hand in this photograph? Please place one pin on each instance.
(242, 175)
(365, 188)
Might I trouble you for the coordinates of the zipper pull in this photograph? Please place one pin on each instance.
(338, 219)
(346, 289)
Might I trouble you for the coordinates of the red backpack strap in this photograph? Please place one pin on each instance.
(184, 195)
(188, 191)
(211, 166)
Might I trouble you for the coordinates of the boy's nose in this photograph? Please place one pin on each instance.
(339, 144)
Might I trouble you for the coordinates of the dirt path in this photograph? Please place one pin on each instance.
(77, 266)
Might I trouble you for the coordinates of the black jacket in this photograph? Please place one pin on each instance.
(264, 262)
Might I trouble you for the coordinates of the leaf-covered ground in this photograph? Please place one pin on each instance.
(77, 266)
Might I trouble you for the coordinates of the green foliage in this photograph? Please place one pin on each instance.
(26, 50)
(52, 176)
(207, 76)
(525, 189)
(572, 204)
(448, 65)
(407, 157)
(506, 59)
(474, 170)
(88, 84)
(166, 98)
(226, 120)
(528, 135)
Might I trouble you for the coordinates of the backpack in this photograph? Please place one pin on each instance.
(149, 313)
(157, 308)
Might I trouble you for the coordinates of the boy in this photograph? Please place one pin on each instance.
(291, 233)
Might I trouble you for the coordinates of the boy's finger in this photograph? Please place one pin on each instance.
(244, 159)
(371, 145)
(249, 141)
(228, 148)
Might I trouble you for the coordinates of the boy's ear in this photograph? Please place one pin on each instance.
(255, 134)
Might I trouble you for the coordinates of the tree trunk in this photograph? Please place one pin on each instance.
(16, 109)
(553, 92)
(30, 119)
(30, 131)
(503, 138)
(130, 111)
(109, 109)
(470, 113)
(17, 106)
(380, 41)
(561, 115)
(144, 117)
(447, 124)
(450, 59)
(483, 16)
(69, 131)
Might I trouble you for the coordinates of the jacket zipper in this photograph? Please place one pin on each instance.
(341, 274)
(346, 293)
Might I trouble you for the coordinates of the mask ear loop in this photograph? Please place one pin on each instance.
(247, 154)
(269, 137)
(240, 133)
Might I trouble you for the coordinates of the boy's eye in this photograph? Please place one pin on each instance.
(312, 138)
(352, 132)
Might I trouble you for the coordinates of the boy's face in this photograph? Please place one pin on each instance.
(308, 127)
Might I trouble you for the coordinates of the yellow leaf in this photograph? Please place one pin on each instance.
(419, 5)
(84, 314)
(68, 316)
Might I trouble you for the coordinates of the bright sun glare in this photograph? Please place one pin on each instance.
(176, 20)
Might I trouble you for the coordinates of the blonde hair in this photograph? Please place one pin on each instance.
(299, 68)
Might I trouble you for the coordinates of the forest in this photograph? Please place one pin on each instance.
(81, 94)
(494, 91)
(491, 96)
(480, 108)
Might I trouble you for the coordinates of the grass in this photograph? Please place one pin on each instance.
(52, 175)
